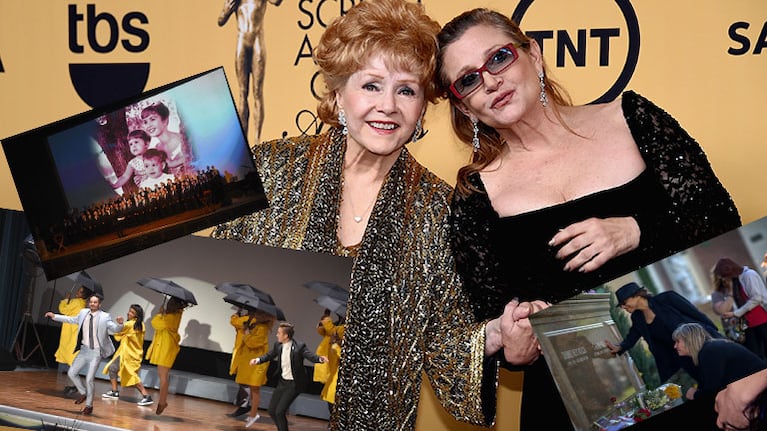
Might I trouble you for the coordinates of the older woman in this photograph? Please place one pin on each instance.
(559, 198)
(356, 191)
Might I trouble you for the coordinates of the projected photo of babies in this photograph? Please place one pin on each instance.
(170, 162)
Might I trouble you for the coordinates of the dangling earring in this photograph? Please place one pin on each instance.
(342, 122)
(544, 98)
(475, 139)
(418, 131)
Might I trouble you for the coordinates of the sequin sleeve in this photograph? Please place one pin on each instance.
(701, 208)
(454, 342)
(471, 229)
(483, 283)
(287, 168)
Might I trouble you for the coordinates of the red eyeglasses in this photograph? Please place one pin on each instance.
(499, 61)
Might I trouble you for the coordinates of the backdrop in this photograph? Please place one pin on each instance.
(701, 60)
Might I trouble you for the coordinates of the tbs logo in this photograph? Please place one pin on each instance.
(98, 84)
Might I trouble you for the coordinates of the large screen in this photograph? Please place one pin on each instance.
(139, 172)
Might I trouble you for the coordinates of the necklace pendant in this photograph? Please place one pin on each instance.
(357, 219)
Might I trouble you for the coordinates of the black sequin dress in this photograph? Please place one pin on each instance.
(677, 201)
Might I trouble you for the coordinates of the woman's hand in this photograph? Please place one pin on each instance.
(690, 395)
(732, 401)
(520, 345)
(613, 348)
(595, 241)
(513, 332)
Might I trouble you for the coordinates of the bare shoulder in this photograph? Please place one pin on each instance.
(599, 121)
(597, 113)
(603, 126)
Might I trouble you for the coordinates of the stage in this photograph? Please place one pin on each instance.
(38, 396)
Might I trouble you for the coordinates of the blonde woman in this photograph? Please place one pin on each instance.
(719, 361)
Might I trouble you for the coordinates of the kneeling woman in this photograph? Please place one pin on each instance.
(720, 361)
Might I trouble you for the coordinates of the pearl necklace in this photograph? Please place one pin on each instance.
(359, 218)
(366, 211)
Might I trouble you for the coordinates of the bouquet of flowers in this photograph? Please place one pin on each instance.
(672, 390)
(641, 414)
(656, 399)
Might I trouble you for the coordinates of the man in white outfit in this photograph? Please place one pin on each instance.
(94, 343)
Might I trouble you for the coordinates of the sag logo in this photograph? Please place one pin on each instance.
(98, 84)
(616, 48)
(739, 33)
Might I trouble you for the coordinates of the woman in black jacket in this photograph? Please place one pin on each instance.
(719, 361)
(655, 318)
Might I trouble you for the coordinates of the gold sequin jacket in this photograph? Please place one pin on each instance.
(406, 313)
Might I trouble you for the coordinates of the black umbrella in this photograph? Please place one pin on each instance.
(237, 288)
(328, 289)
(254, 303)
(168, 287)
(334, 305)
(84, 279)
(332, 296)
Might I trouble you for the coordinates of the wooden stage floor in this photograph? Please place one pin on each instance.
(42, 391)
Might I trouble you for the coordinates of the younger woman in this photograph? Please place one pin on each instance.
(327, 373)
(155, 119)
(328, 393)
(127, 358)
(741, 292)
(252, 341)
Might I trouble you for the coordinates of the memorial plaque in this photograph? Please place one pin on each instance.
(591, 380)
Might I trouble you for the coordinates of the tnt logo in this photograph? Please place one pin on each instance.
(98, 84)
(607, 50)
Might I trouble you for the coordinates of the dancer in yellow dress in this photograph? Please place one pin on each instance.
(330, 347)
(242, 400)
(251, 342)
(165, 344)
(127, 359)
(68, 306)
(326, 329)
(334, 358)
